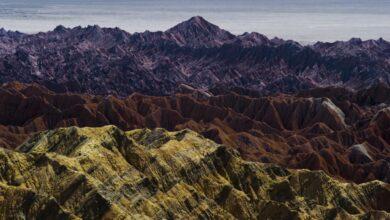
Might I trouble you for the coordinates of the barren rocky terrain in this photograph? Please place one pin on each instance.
(347, 137)
(94, 173)
(192, 123)
(111, 61)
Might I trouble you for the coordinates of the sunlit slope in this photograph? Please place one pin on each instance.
(93, 173)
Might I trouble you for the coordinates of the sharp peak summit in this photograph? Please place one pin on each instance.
(196, 21)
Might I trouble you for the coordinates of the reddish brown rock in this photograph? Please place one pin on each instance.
(297, 132)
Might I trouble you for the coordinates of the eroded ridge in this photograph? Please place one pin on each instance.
(104, 172)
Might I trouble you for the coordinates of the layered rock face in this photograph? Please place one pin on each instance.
(111, 61)
(225, 111)
(91, 173)
(345, 137)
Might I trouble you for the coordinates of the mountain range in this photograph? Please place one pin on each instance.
(192, 123)
(195, 52)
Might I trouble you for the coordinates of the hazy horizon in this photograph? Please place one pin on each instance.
(305, 21)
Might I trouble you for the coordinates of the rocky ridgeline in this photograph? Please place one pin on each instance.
(91, 173)
(195, 52)
(302, 131)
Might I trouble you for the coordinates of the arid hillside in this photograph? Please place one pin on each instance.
(345, 136)
(95, 173)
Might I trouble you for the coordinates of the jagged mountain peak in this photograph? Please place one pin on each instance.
(60, 29)
(253, 39)
(198, 32)
(8, 33)
(2, 31)
(194, 22)
(199, 20)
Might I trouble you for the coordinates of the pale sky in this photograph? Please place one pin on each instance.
(306, 21)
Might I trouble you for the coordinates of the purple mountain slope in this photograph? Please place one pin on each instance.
(195, 52)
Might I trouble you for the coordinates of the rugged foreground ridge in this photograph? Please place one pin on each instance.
(104, 172)
(342, 133)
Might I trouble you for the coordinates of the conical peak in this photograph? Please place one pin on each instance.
(197, 22)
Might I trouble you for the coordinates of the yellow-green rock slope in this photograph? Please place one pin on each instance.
(105, 173)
